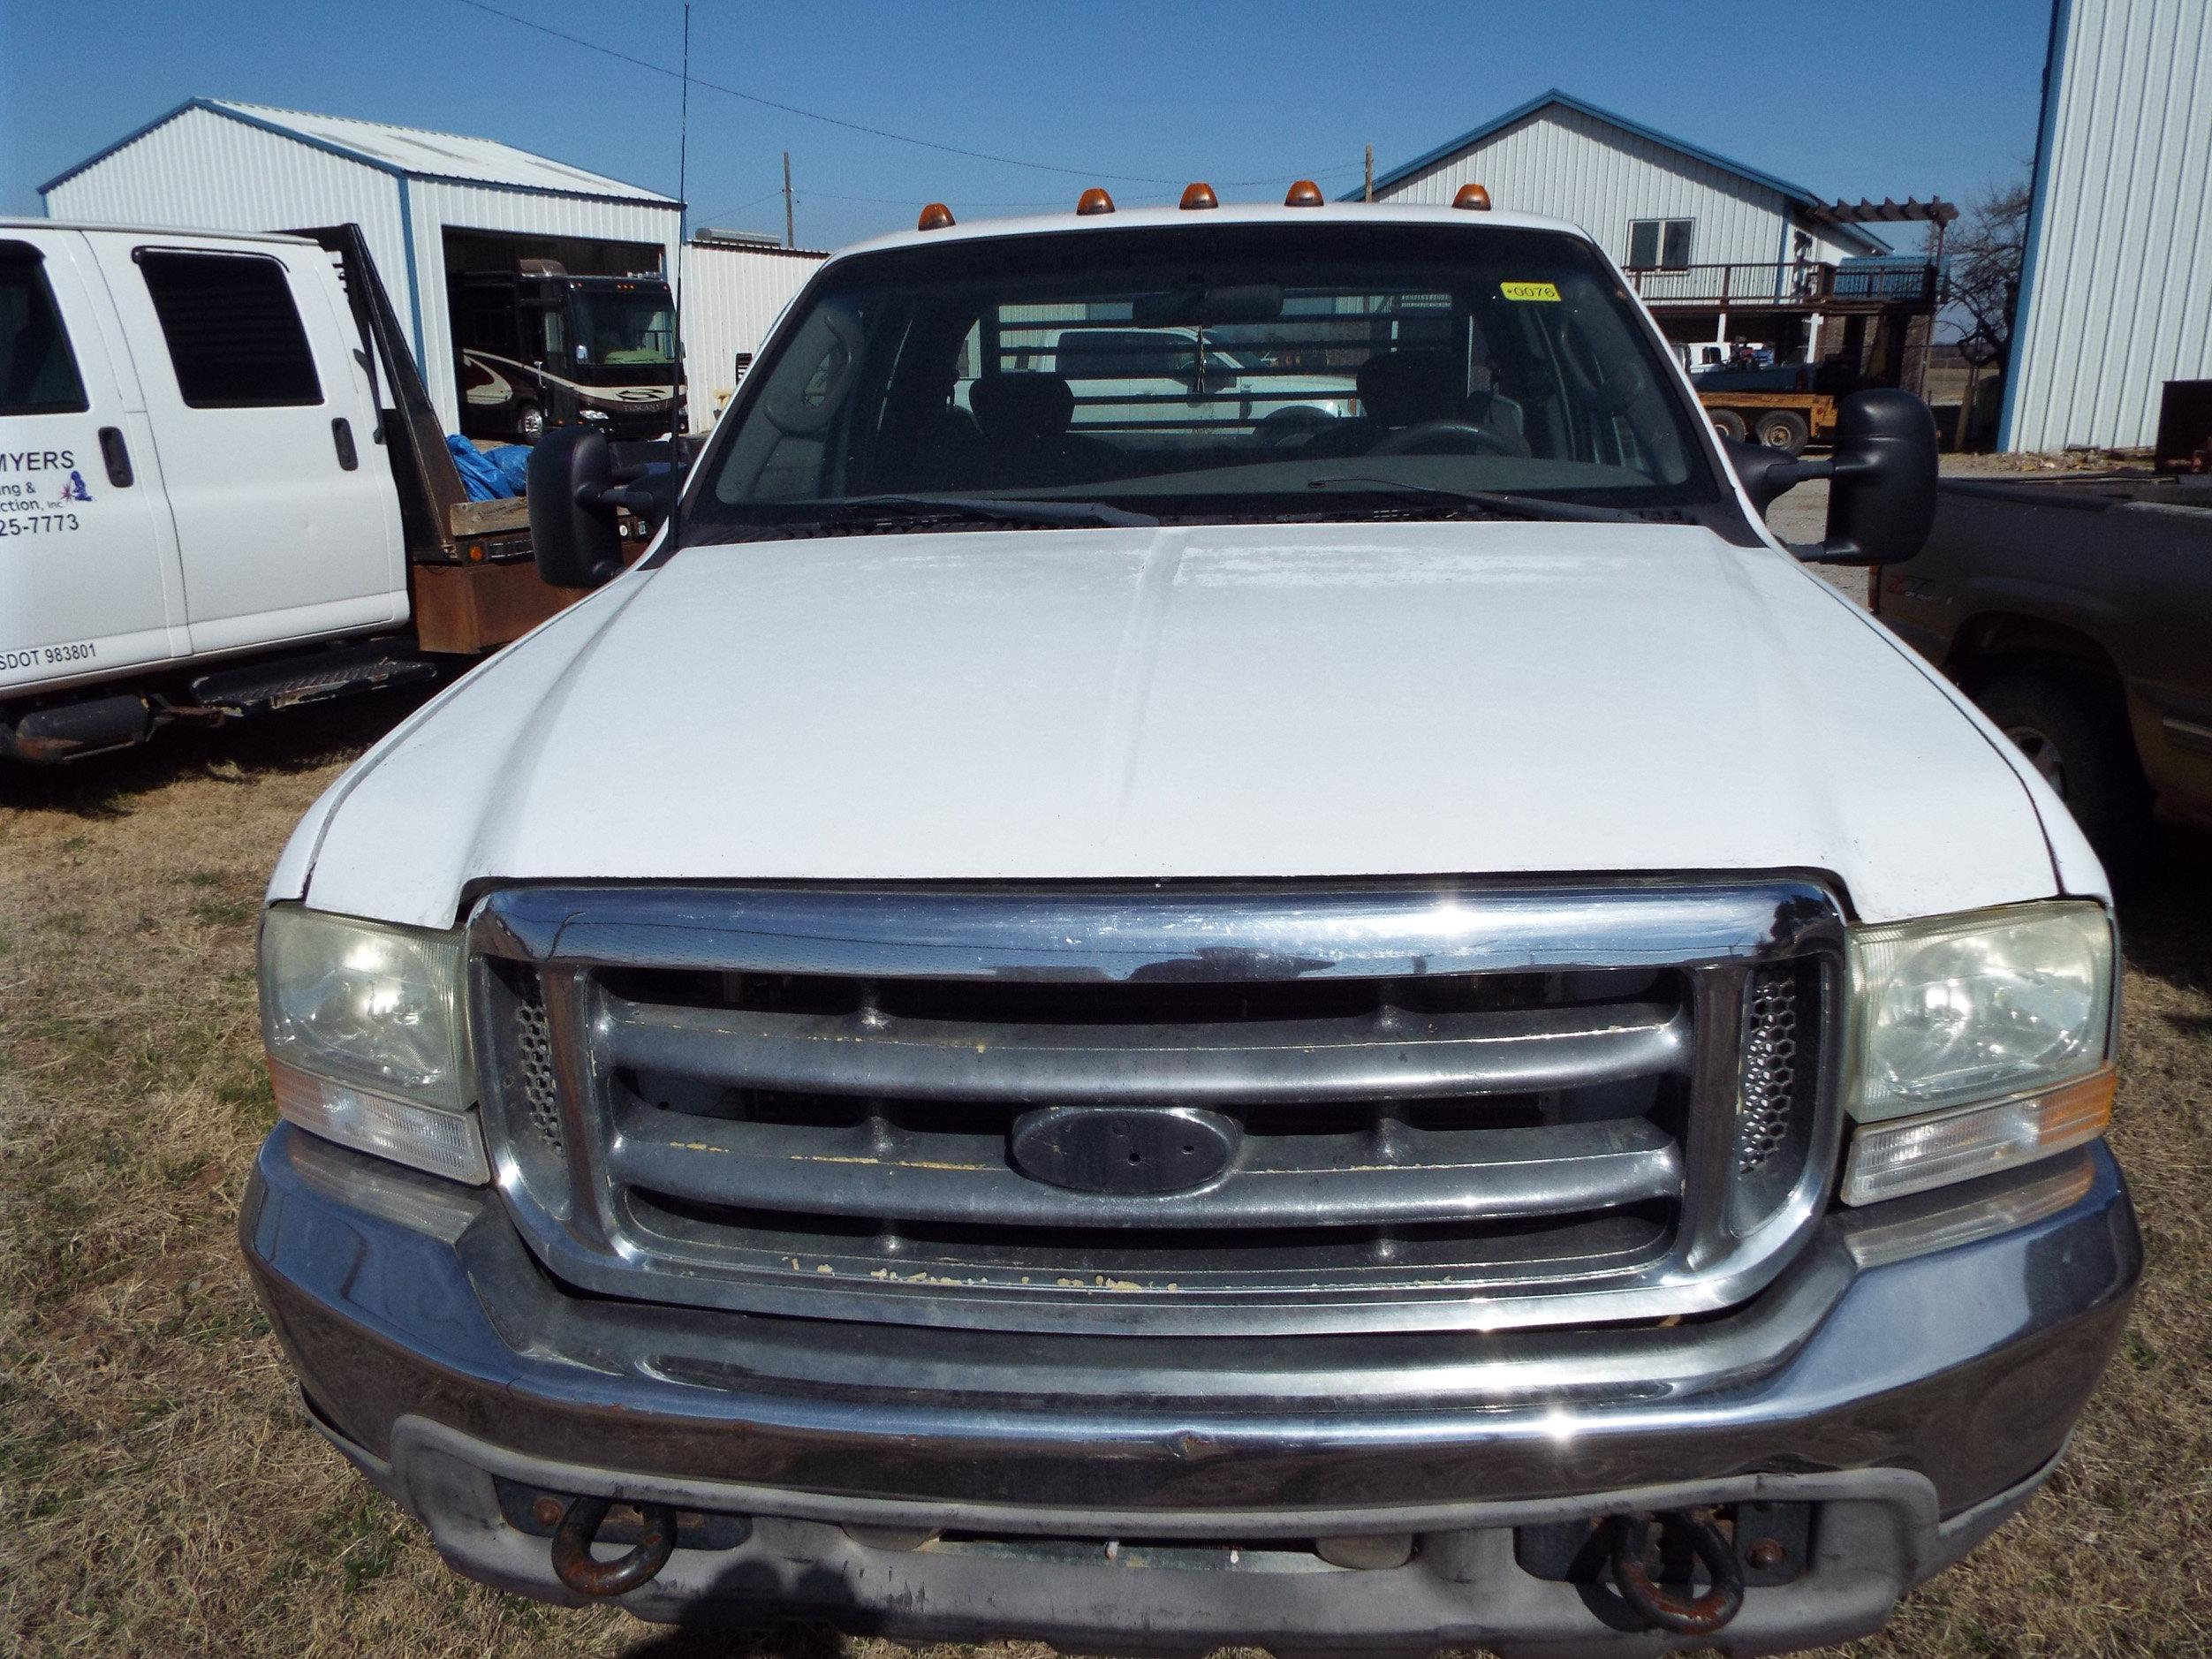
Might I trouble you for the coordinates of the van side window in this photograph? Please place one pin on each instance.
(38, 372)
(234, 334)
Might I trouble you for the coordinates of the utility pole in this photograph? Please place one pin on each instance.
(1367, 192)
(789, 240)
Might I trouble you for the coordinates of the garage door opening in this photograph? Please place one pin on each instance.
(558, 330)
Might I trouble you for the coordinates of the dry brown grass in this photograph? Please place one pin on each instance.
(161, 1495)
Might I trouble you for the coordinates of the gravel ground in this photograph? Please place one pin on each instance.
(165, 1496)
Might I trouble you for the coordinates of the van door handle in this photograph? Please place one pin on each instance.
(117, 454)
(342, 434)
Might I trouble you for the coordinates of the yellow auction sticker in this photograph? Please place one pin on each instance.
(1529, 291)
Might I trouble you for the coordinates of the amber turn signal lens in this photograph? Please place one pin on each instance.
(1472, 196)
(1200, 195)
(1094, 201)
(1890, 1160)
(935, 216)
(1304, 193)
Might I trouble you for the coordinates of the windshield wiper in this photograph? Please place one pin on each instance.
(1000, 509)
(1503, 504)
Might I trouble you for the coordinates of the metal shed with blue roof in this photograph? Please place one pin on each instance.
(422, 200)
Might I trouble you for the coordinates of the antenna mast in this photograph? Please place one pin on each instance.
(682, 386)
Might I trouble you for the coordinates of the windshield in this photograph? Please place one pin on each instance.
(1237, 371)
(623, 328)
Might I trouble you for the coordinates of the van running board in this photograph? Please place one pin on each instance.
(308, 679)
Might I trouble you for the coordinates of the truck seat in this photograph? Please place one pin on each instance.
(1024, 418)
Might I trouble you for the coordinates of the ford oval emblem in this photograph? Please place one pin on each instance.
(1124, 1151)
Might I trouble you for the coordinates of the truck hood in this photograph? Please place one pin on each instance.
(1261, 702)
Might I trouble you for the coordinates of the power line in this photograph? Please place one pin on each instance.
(810, 115)
(850, 126)
(765, 195)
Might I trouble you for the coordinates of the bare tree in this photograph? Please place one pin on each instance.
(1984, 253)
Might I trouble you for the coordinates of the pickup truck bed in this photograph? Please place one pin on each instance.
(2078, 612)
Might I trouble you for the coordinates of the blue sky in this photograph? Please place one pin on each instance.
(1940, 96)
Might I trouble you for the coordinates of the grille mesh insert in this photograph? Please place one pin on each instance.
(534, 1059)
(1770, 1066)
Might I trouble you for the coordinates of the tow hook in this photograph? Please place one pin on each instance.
(575, 1566)
(1664, 1609)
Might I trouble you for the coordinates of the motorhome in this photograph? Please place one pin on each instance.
(539, 348)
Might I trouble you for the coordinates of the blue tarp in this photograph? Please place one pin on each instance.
(491, 474)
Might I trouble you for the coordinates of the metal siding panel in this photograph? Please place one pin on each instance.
(729, 297)
(1563, 163)
(2119, 304)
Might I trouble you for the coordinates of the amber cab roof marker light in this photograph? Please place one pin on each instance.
(1472, 196)
(1199, 194)
(1304, 193)
(935, 216)
(1094, 200)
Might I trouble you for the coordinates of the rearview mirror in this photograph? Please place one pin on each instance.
(574, 531)
(1880, 474)
(1208, 308)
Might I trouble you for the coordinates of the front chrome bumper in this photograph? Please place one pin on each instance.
(1917, 1397)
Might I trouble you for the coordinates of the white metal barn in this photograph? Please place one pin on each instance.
(426, 201)
(1560, 155)
(732, 291)
(2116, 293)
(1723, 250)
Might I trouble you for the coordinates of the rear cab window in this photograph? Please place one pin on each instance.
(233, 331)
(38, 370)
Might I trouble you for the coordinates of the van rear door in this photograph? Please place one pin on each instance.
(287, 518)
(89, 582)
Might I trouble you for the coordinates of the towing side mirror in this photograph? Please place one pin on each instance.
(574, 532)
(1880, 474)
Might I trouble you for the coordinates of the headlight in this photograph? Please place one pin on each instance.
(1999, 1011)
(368, 1043)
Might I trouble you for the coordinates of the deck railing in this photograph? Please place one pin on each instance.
(1804, 285)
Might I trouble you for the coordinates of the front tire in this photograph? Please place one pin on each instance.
(2073, 731)
(529, 423)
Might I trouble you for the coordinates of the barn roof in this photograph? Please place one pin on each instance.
(406, 151)
(1797, 195)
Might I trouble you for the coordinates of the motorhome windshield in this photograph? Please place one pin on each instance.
(615, 329)
(1253, 370)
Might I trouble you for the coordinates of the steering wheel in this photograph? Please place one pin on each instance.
(1449, 435)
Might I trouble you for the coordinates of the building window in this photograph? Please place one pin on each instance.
(38, 374)
(1659, 244)
(233, 333)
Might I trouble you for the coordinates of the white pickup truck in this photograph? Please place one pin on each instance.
(223, 489)
(1157, 1039)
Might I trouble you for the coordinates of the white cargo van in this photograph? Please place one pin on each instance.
(223, 489)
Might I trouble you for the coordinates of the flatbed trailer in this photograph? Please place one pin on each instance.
(1779, 419)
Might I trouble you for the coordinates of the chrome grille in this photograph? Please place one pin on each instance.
(1442, 1104)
